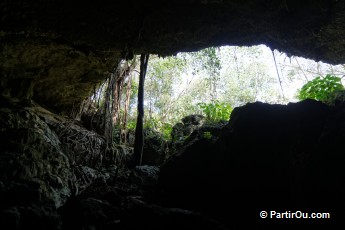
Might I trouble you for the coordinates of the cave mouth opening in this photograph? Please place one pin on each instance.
(291, 161)
(210, 82)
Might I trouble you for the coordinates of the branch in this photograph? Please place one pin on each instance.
(301, 69)
(280, 82)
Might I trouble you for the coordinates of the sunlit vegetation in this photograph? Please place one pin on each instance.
(216, 111)
(321, 88)
(213, 81)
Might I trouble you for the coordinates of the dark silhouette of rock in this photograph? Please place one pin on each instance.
(105, 206)
(269, 157)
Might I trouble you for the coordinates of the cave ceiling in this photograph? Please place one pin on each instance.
(61, 49)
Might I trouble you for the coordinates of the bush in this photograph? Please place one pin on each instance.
(217, 111)
(320, 89)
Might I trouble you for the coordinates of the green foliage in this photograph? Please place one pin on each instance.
(207, 135)
(210, 60)
(320, 88)
(159, 85)
(246, 77)
(217, 111)
(335, 97)
(166, 129)
(205, 59)
(210, 63)
(151, 123)
(154, 124)
(131, 125)
(157, 125)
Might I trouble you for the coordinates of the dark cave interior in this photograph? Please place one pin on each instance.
(57, 174)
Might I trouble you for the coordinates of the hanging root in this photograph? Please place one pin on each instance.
(82, 146)
(121, 155)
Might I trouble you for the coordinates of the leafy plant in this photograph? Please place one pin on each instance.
(151, 123)
(159, 126)
(320, 88)
(131, 125)
(216, 111)
(166, 129)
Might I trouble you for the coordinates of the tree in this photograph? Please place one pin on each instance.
(206, 62)
(163, 74)
(228, 75)
(139, 133)
(246, 77)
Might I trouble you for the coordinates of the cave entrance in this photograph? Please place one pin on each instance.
(210, 82)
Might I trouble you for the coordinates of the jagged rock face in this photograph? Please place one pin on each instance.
(45, 157)
(189, 124)
(269, 157)
(31, 154)
(54, 51)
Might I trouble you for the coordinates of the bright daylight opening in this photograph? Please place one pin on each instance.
(215, 80)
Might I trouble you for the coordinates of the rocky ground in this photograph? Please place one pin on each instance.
(56, 174)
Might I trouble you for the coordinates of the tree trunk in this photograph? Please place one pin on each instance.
(139, 132)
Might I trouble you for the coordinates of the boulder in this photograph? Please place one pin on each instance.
(189, 124)
(193, 129)
(269, 157)
(155, 145)
(145, 176)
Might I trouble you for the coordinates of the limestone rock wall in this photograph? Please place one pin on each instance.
(49, 154)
